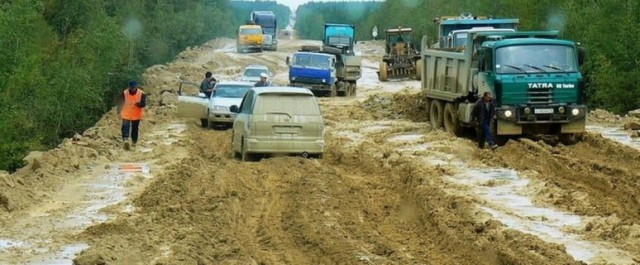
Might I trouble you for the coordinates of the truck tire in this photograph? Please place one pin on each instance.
(352, 92)
(382, 76)
(451, 122)
(343, 89)
(436, 115)
(333, 92)
(419, 69)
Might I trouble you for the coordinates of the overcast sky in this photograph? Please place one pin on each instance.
(293, 4)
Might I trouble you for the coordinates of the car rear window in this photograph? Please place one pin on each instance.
(292, 104)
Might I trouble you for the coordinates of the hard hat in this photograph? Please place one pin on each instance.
(264, 75)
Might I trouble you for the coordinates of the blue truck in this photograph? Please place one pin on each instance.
(330, 70)
(269, 23)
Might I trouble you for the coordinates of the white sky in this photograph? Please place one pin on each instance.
(293, 4)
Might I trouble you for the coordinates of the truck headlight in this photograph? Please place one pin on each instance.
(508, 113)
(561, 110)
(575, 112)
(293, 78)
(324, 80)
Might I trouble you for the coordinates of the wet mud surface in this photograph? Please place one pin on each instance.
(389, 190)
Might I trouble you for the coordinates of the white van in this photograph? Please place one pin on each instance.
(278, 120)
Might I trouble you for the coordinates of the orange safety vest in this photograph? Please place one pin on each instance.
(130, 111)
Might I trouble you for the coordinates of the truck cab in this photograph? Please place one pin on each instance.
(535, 79)
(250, 38)
(313, 70)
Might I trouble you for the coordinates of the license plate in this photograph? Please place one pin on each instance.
(543, 111)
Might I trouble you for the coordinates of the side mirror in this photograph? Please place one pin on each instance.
(287, 60)
(234, 109)
(582, 53)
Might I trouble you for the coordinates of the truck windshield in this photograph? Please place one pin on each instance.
(308, 60)
(252, 31)
(535, 58)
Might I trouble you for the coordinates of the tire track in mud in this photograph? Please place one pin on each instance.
(596, 177)
(351, 207)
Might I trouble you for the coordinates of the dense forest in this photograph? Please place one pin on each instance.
(608, 29)
(62, 62)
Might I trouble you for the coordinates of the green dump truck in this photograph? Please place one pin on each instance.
(534, 78)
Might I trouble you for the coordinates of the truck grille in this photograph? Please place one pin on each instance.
(540, 95)
(308, 80)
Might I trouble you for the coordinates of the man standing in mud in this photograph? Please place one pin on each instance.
(263, 80)
(133, 100)
(483, 112)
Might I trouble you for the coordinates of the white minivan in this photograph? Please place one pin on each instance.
(278, 120)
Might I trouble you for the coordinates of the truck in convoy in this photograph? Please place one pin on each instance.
(452, 30)
(533, 76)
(268, 21)
(249, 38)
(340, 68)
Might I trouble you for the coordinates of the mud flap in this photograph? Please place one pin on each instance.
(577, 126)
(508, 128)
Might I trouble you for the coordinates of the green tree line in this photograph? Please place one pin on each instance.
(61, 62)
(242, 11)
(608, 29)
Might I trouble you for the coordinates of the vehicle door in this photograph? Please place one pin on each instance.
(288, 117)
(191, 106)
(243, 118)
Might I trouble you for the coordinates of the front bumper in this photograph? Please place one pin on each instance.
(562, 118)
(316, 87)
(535, 114)
(220, 116)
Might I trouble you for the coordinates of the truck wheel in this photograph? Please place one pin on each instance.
(382, 76)
(345, 90)
(333, 91)
(352, 92)
(419, 69)
(436, 116)
(451, 122)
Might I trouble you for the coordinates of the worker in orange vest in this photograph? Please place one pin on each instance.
(133, 102)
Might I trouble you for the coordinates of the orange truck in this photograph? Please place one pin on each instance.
(250, 38)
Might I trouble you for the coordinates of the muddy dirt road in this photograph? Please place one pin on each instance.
(389, 191)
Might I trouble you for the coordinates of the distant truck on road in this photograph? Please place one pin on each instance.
(533, 76)
(249, 38)
(330, 70)
(269, 23)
